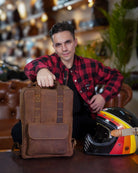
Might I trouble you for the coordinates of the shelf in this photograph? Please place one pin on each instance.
(37, 37)
(91, 29)
(35, 16)
(73, 2)
(44, 35)
(7, 25)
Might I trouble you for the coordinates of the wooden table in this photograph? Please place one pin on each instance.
(79, 163)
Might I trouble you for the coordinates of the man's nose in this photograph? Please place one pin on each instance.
(64, 47)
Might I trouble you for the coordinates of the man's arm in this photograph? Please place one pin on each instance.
(31, 69)
(42, 70)
(111, 79)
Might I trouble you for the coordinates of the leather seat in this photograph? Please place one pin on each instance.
(9, 109)
(10, 101)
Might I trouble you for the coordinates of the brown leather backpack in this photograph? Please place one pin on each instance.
(46, 116)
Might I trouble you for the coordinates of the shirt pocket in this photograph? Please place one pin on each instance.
(89, 88)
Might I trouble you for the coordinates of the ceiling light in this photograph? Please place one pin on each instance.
(21, 9)
(69, 7)
(90, 3)
(32, 21)
(3, 16)
(44, 17)
(9, 7)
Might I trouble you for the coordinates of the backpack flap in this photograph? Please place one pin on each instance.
(47, 138)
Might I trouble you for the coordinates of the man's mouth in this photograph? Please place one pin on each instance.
(65, 54)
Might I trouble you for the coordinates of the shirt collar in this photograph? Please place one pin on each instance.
(63, 67)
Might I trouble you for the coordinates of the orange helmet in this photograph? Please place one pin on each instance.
(102, 143)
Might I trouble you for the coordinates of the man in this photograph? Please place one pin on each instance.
(80, 74)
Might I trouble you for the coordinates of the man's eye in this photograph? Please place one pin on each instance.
(58, 45)
(68, 41)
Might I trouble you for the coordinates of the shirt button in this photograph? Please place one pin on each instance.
(75, 80)
(70, 71)
(80, 91)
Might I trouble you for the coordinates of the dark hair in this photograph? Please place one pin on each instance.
(62, 26)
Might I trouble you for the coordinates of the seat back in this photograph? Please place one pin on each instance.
(122, 98)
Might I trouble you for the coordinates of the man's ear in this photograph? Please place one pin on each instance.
(53, 46)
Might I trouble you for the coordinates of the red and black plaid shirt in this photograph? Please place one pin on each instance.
(86, 74)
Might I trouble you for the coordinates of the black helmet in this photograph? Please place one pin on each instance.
(102, 143)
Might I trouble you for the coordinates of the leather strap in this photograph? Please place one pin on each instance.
(59, 104)
(37, 113)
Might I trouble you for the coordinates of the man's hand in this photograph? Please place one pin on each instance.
(97, 103)
(45, 78)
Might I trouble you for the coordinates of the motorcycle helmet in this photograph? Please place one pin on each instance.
(102, 143)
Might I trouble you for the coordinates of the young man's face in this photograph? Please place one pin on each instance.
(64, 45)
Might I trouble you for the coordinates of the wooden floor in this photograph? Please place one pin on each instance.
(78, 163)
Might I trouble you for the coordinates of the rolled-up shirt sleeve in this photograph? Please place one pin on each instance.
(31, 69)
(111, 78)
